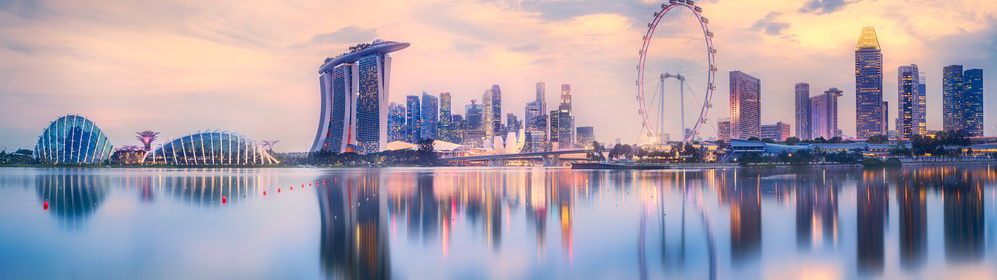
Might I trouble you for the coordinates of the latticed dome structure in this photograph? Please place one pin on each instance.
(210, 148)
(73, 139)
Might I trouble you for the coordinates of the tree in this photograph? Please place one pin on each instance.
(835, 139)
(691, 153)
(427, 153)
(820, 140)
(792, 140)
(628, 151)
(768, 140)
(878, 139)
(616, 152)
(753, 138)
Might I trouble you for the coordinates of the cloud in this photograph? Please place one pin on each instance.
(770, 25)
(345, 35)
(23, 8)
(525, 48)
(639, 11)
(468, 47)
(824, 6)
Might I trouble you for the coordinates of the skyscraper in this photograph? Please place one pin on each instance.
(430, 116)
(803, 110)
(723, 130)
(354, 98)
(473, 133)
(908, 87)
(921, 106)
(535, 122)
(824, 114)
(886, 117)
(952, 92)
(512, 123)
(566, 121)
(494, 109)
(555, 126)
(413, 119)
(745, 105)
(396, 123)
(446, 111)
(778, 131)
(586, 135)
(972, 104)
(869, 86)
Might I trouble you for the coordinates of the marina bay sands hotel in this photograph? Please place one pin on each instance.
(354, 89)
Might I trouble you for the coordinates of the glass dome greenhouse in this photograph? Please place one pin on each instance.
(210, 148)
(72, 139)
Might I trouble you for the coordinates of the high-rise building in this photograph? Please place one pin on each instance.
(542, 97)
(446, 111)
(824, 114)
(413, 119)
(555, 126)
(430, 116)
(457, 126)
(396, 123)
(723, 130)
(745, 105)
(585, 136)
(869, 86)
(354, 98)
(565, 120)
(921, 105)
(972, 104)
(535, 125)
(803, 110)
(512, 123)
(952, 92)
(493, 111)
(908, 87)
(778, 131)
(886, 117)
(473, 133)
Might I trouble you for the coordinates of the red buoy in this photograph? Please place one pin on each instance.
(45, 205)
(224, 200)
(278, 190)
(264, 193)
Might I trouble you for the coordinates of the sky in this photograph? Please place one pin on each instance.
(250, 66)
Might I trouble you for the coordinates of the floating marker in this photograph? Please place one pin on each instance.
(309, 184)
(264, 193)
(45, 205)
(278, 190)
(224, 201)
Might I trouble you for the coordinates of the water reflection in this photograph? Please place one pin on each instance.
(72, 198)
(557, 223)
(353, 233)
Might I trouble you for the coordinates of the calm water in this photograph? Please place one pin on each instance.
(927, 222)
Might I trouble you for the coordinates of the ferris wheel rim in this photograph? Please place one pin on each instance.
(711, 71)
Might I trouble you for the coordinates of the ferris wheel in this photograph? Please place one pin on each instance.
(675, 73)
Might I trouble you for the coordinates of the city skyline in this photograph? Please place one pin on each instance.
(272, 69)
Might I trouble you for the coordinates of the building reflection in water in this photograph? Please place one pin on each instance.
(354, 241)
(208, 191)
(871, 203)
(816, 195)
(964, 233)
(912, 204)
(72, 198)
(744, 199)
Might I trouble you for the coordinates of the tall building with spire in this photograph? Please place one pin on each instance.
(803, 111)
(745, 105)
(908, 94)
(869, 86)
(566, 121)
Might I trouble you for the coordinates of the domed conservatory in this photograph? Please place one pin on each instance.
(73, 139)
(210, 148)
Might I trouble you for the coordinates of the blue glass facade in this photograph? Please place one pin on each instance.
(973, 102)
(211, 148)
(908, 85)
(368, 104)
(952, 91)
(430, 116)
(72, 139)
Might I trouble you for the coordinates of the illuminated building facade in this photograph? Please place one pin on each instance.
(803, 111)
(908, 95)
(778, 131)
(723, 130)
(869, 86)
(824, 114)
(565, 120)
(72, 139)
(396, 123)
(211, 148)
(354, 99)
(745, 105)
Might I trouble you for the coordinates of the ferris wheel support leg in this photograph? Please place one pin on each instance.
(682, 107)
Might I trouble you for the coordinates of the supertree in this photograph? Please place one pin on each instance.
(268, 144)
(147, 137)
